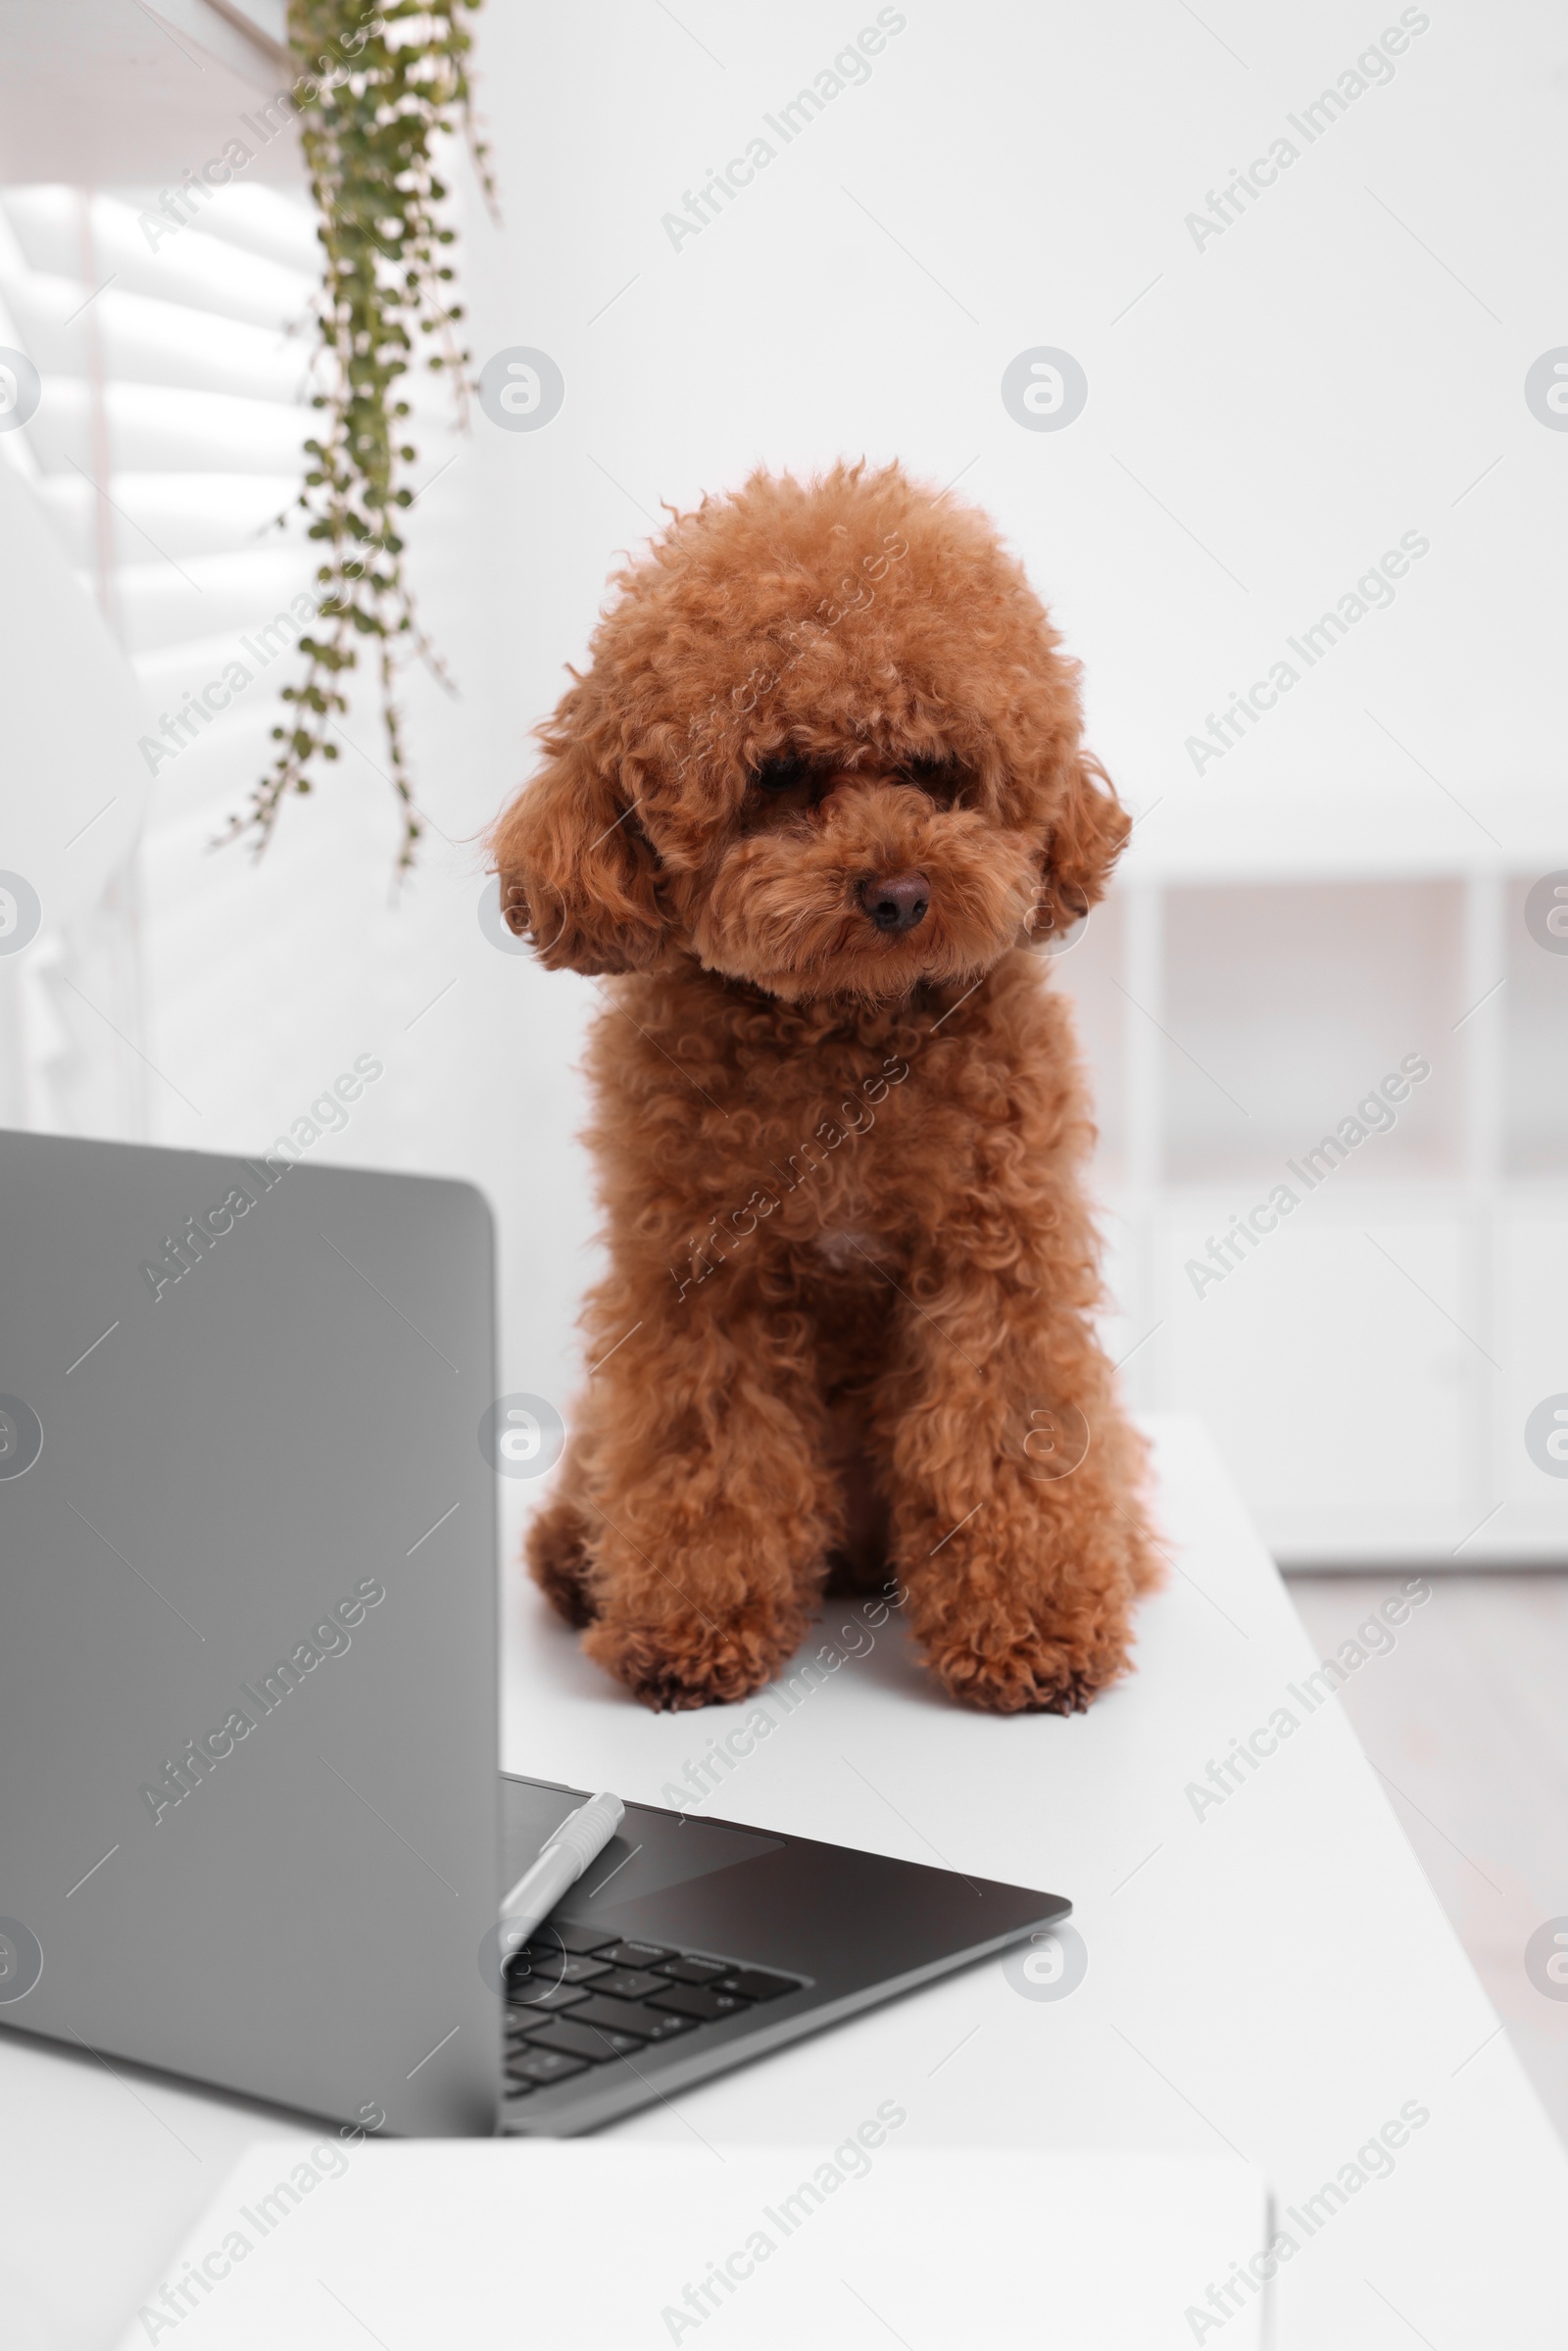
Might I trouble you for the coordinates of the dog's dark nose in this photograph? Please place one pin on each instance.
(898, 901)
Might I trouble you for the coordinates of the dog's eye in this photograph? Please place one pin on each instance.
(781, 776)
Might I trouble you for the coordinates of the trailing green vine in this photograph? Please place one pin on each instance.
(377, 87)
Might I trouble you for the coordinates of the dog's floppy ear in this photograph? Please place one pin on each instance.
(577, 873)
(1085, 838)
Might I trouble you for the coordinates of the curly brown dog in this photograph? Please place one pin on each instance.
(821, 788)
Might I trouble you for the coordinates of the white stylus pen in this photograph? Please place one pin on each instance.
(581, 1836)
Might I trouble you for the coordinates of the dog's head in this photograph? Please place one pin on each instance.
(827, 744)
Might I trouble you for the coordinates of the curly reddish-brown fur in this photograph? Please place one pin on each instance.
(846, 1328)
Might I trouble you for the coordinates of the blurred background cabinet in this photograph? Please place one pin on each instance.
(1368, 1356)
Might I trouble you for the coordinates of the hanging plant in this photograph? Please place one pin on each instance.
(376, 89)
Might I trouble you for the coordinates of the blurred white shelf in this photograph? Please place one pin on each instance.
(1366, 1309)
(1395, 816)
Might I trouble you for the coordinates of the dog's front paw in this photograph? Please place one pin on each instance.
(694, 1660)
(1023, 1671)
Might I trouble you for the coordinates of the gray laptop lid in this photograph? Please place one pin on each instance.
(248, 1647)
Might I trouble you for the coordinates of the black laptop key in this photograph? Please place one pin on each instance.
(627, 1983)
(639, 1955)
(583, 1939)
(540, 2067)
(755, 1984)
(542, 1964)
(532, 1992)
(694, 1971)
(703, 2006)
(562, 2037)
(657, 2024)
(630, 2015)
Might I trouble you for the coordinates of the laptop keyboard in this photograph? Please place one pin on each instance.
(577, 1999)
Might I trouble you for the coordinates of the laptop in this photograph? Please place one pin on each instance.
(252, 1827)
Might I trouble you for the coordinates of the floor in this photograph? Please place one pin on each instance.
(1466, 1720)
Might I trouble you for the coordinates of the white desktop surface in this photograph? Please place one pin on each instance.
(1275, 1977)
(939, 2246)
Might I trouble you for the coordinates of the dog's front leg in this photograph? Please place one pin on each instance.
(1016, 1523)
(710, 1502)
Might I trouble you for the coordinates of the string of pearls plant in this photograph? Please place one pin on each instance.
(377, 88)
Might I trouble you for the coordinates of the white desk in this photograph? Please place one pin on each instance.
(1275, 1975)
